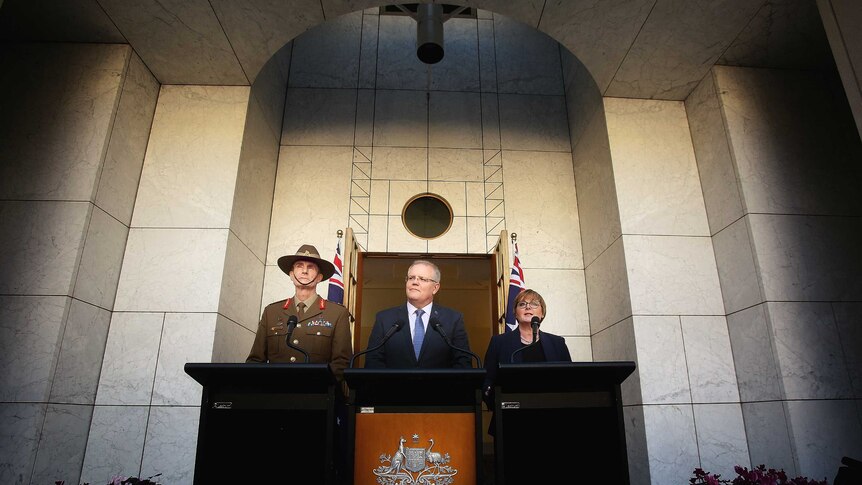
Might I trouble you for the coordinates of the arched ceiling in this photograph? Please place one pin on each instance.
(633, 48)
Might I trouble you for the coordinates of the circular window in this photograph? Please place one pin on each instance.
(427, 216)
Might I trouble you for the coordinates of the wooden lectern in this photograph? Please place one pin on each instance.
(560, 423)
(415, 426)
(265, 423)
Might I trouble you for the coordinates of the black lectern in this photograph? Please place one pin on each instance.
(415, 426)
(560, 423)
(265, 423)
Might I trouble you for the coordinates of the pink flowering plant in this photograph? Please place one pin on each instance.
(755, 476)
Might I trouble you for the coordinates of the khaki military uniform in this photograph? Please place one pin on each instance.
(323, 331)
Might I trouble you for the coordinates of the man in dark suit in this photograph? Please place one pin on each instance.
(419, 345)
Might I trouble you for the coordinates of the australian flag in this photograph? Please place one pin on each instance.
(516, 285)
(336, 283)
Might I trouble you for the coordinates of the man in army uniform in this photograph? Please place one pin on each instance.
(323, 326)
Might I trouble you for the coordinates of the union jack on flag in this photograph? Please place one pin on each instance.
(336, 283)
(516, 285)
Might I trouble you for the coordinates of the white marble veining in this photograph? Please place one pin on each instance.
(565, 293)
(661, 360)
(671, 442)
(400, 164)
(276, 287)
(189, 172)
(453, 241)
(490, 121)
(242, 284)
(363, 133)
(172, 270)
(168, 449)
(121, 172)
(715, 163)
(824, 432)
(737, 269)
(636, 446)
(847, 318)
(455, 120)
(528, 61)
(580, 348)
(454, 193)
(327, 56)
(766, 428)
(708, 356)
(400, 118)
(617, 342)
(583, 98)
(80, 359)
(186, 337)
(317, 116)
(400, 240)
(379, 197)
(475, 199)
(808, 351)
(753, 355)
(31, 328)
(129, 365)
(657, 185)
(62, 443)
(19, 439)
(115, 443)
(672, 275)
(608, 288)
(40, 246)
(101, 259)
(455, 164)
(476, 235)
(534, 122)
(402, 191)
(377, 233)
(269, 88)
(57, 113)
(808, 258)
(231, 342)
(721, 440)
(542, 208)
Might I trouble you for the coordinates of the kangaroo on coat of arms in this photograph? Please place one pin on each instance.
(420, 466)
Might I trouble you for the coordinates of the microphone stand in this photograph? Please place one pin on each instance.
(392, 330)
(291, 326)
(435, 324)
(535, 324)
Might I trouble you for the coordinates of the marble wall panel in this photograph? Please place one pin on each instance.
(721, 440)
(598, 210)
(101, 259)
(487, 56)
(58, 109)
(368, 51)
(400, 163)
(200, 53)
(124, 158)
(580, 348)
(671, 441)
(455, 164)
(737, 267)
(455, 120)
(314, 116)
(654, 168)
(476, 239)
(823, 432)
(255, 182)
(617, 342)
(189, 172)
(186, 337)
(490, 121)
(715, 162)
(327, 56)
(528, 61)
(636, 446)
(459, 70)
(269, 88)
(400, 192)
(672, 275)
(31, 329)
(377, 233)
(790, 142)
(454, 193)
(453, 241)
(40, 246)
(81, 351)
(766, 428)
(847, 317)
(19, 438)
(400, 119)
(168, 450)
(398, 239)
(542, 207)
(709, 360)
(276, 286)
(232, 342)
(241, 284)
(534, 122)
(583, 98)
(62, 443)
(805, 258)
(661, 360)
(63, 22)
(301, 212)
(608, 291)
(129, 365)
(808, 351)
(379, 197)
(115, 443)
(172, 270)
(754, 357)
(565, 294)
(475, 194)
(363, 135)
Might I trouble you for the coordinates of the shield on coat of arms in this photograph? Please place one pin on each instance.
(415, 459)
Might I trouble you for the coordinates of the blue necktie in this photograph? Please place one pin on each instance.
(419, 330)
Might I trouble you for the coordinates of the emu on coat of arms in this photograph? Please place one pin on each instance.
(420, 466)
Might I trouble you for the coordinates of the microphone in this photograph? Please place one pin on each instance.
(389, 333)
(291, 326)
(534, 323)
(436, 325)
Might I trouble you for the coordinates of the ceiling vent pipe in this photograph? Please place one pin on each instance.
(429, 33)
